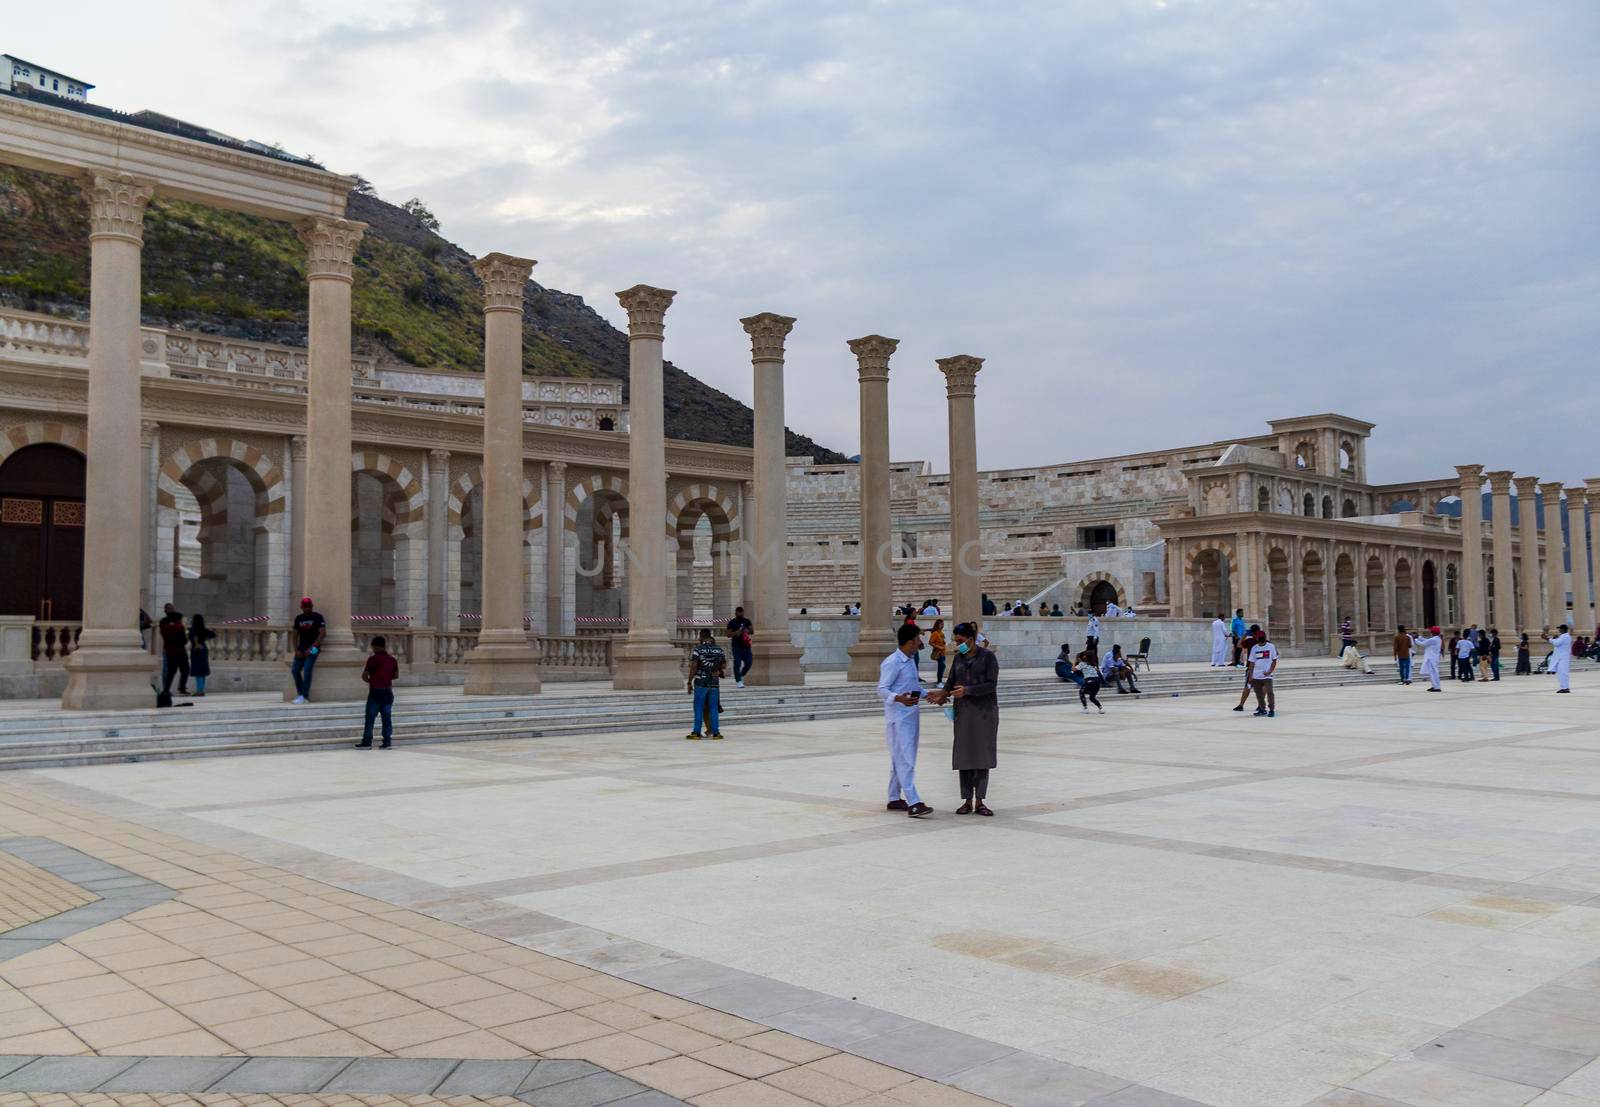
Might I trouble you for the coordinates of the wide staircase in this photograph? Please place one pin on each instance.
(824, 587)
(53, 738)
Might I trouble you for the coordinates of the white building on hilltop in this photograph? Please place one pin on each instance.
(15, 71)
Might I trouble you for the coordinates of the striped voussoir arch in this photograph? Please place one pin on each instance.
(39, 432)
(177, 472)
(1088, 583)
(607, 487)
(686, 508)
(411, 496)
(532, 501)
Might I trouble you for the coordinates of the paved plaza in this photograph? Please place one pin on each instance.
(1380, 897)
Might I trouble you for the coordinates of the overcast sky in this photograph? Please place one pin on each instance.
(1162, 223)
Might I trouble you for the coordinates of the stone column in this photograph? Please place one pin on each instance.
(438, 515)
(747, 535)
(776, 659)
(647, 658)
(297, 527)
(1555, 580)
(150, 468)
(1505, 591)
(1578, 537)
(324, 550)
(1593, 486)
(1528, 538)
(555, 533)
(110, 669)
(1473, 595)
(502, 663)
(966, 552)
(875, 639)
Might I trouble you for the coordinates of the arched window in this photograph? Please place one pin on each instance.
(1327, 507)
(606, 423)
(1263, 499)
(1310, 506)
(1348, 510)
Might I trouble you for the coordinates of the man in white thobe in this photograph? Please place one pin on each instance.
(1561, 657)
(899, 688)
(1219, 641)
(1112, 609)
(1430, 643)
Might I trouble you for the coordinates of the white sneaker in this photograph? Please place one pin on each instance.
(738, 684)
(1085, 709)
(1102, 711)
(299, 699)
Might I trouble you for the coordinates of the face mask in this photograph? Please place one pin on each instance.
(962, 647)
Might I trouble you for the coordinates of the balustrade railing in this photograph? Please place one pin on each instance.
(54, 640)
(571, 653)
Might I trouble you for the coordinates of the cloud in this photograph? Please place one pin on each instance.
(1161, 222)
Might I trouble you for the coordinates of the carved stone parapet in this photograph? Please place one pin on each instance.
(960, 374)
(872, 356)
(330, 247)
(647, 310)
(116, 205)
(505, 279)
(767, 332)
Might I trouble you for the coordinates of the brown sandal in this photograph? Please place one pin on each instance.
(965, 808)
(982, 809)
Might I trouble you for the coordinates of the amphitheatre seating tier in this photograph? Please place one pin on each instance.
(843, 518)
(824, 587)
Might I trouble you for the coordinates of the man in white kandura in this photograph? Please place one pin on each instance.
(1561, 657)
(1429, 641)
(1113, 609)
(899, 688)
(1219, 641)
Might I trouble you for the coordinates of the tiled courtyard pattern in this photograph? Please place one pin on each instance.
(1379, 897)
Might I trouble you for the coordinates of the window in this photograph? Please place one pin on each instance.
(1263, 500)
(55, 84)
(1097, 538)
(1309, 505)
(1327, 507)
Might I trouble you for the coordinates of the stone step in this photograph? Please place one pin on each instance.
(270, 734)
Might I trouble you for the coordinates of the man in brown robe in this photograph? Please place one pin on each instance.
(970, 686)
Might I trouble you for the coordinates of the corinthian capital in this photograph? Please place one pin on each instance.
(872, 356)
(1577, 496)
(504, 279)
(116, 205)
(1593, 484)
(1499, 482)
(960, 374)
(647, 309)
(330, 246)
(1527, 488)
(1470, 473)
(1551, 491)
(767, 332)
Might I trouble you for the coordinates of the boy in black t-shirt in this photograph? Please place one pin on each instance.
(309, 629)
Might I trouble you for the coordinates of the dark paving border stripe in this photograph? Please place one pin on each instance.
(121, 893)
(538, 1083)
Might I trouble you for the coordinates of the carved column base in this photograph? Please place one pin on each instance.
(774, 664)
(109, 675)
(336, 678)
(502, 664)
(867, 655)
(647, 666)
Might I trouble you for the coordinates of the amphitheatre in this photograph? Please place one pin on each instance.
(1389, 898)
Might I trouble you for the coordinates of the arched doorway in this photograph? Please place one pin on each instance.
(1405, 609)
(1100, 593)
(1279, 599)
(41, 532)
(1311, 597)
(1344, 590)
(1377, 599)
(706, 583)
(1430, 594)
(1210, 584)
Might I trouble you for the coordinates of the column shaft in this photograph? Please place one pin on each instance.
(502, 663)
(1578, 538)
(110, 669)
(1473, 597)
(647, 659)
(297, 523)
(966, 551)
(1505, 591)
(1531, 615)
(438, 515)
(324, 554)
(1555, 580)
(555, 530)
(150, 467)
(875, 637)
(1593, 487)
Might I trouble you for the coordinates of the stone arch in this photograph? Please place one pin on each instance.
(707, 565)
(596, 485)
(458, 597)
(402, 537)
(1304, 455)
(1347, 510)
(1280, 604)
(37, 432)
(1347, 457)
(463, 487)
(1089, 591)
(236, 572)
(1313, 575)
(596, 521)
(1308, 505)
(1405, 597)
(1208, 569)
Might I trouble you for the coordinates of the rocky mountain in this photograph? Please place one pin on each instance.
(416, 300)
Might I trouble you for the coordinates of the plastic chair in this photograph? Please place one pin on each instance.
(1142, 655)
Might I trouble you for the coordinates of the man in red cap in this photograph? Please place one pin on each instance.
(309, 629)
(1430, 643)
